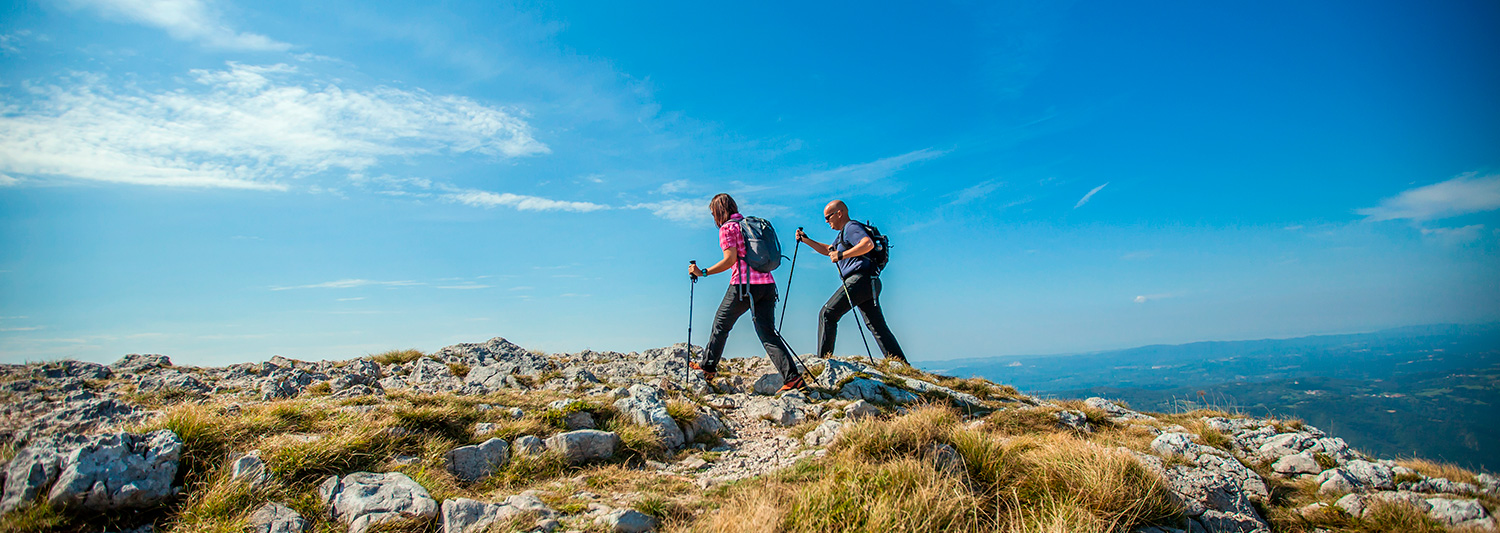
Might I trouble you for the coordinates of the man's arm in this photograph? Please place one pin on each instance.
(815, 245)
(865, 245)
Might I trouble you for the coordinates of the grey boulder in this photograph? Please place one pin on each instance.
(584, 445)
(117, 471)
(1356, 476)
(475, 462)
(874, 391)
(363, 499)
(462, 515)
(644, 406)
(528, 445)
(627, 521)
(1297, 464)
(769, 384)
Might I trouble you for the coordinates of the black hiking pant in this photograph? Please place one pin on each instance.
(864, 289)
(762, 299)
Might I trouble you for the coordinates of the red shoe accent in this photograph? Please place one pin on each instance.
(707, 376)
(796, 383)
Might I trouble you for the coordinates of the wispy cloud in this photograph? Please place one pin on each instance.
(974, 192)
(1462, 195)
(7, 181)
(465, 286)
(1148, 297)
(872, 171)
(350, 284)
(672, 187)
(520, 202)
(184, 20)
(249, 127)
(1091, 194)
(679, 210)
(1465, 234)
(355, 299)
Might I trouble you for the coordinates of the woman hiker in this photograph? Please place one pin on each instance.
(749, 290)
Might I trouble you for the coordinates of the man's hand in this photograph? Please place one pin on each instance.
(800, 235)
(835, 256)
(695, 271)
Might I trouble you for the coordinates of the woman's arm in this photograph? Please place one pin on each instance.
(731, 256)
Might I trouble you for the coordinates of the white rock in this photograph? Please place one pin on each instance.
(627, 521)
(769, 384)
(250, 469)
(529, 444)
(276, 518)
(363, 499)
(1300, 463)
(471, 463)
(1462, 513)
(462, 515)
(118, 470)
(584, 445)
(860, 409)
(824, 434)
(644, 406)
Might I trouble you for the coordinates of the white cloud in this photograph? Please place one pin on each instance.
(466, 286)
(872, 171)
(1458, 196)
(349, 284)
(1091, 194)
(254, 127)
(184, 20)
(672, 187)
(1148, 297)
(684, 211)
(520, 202)
(7, 181)
(1461, 235)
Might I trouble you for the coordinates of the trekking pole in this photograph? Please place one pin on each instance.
(689, 357)
(858, 317)
(795, 248)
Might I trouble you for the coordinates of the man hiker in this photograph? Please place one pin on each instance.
(861, 285)
(749, 290)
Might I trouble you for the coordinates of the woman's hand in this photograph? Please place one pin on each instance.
(695, 271)
(800, 235)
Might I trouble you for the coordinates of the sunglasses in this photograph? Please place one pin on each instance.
(828, 217)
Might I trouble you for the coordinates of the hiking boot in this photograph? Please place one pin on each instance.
(707, 376)
(795, 383)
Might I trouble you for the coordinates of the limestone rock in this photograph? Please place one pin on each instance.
(584, 445)
(475, 462)
(963, 400)
(780, 411)
(706, 427)
(30, 472)
(1296, 464)
(250, 468)
(835, 372)
(824, 434)
(528, 444)
(276, 518)
(1460, 513)
(627, 521)
(363, 499)
(874, 391)
(1356, 476)
(769, 384)
(462, 515)
(136, 363)
(644, 406)
(117, 471)
(1074, 420)
(861, 409)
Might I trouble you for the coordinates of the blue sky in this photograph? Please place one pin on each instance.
(224, 181)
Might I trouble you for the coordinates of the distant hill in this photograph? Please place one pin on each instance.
(1388, 392)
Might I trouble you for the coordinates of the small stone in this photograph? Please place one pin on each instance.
(529, 444)
(627, 521)
(861, 409)
(584, 445)
(250, 469)
(276, 518)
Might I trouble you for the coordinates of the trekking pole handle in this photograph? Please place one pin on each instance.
(695, 278)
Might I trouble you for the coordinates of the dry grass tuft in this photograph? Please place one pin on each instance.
(1431, 468)
(395, 357)
(884, 476)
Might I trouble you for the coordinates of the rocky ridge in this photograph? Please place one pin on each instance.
(76, 430)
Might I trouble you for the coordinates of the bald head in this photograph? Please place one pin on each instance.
(836, 214)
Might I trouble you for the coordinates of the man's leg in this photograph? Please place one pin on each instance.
(765, 326)
(828, 324)
(729, 311)
(875, 319)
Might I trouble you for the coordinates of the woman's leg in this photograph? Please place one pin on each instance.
(765, 327)
(729, 311)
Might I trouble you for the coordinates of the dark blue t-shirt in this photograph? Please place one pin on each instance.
(853, 233)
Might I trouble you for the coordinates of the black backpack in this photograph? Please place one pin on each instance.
(762, 248)
(882, 252)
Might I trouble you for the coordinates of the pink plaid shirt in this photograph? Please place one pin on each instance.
(731, 237)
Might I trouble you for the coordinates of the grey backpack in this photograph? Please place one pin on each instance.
(762, 248)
